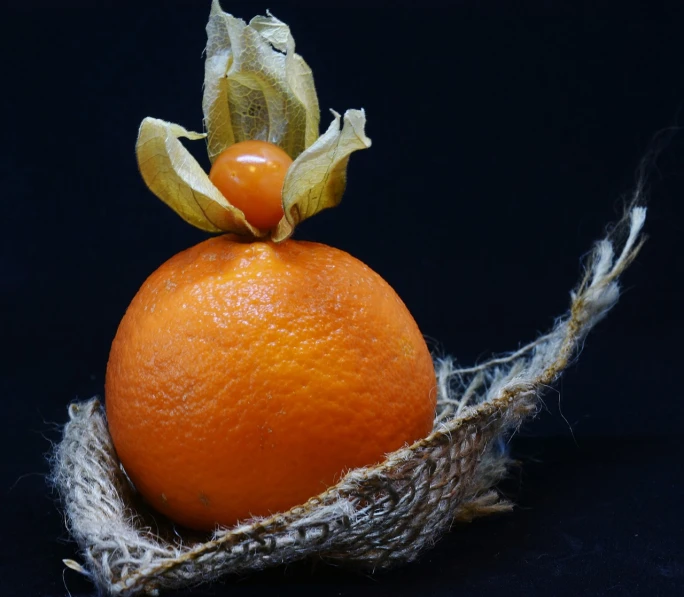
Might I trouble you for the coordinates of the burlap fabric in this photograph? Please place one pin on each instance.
(374, 517)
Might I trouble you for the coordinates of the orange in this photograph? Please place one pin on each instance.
(247, 377)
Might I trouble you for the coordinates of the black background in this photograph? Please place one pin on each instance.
(506, 136)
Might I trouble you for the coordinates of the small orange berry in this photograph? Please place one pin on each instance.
(250, 174)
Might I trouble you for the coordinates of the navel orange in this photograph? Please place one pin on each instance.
(247, 377)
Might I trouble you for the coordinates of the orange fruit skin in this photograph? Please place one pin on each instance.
(246, 378)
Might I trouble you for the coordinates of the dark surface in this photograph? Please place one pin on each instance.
(518, 133)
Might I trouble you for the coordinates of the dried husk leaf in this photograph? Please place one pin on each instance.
(317, 178)
(297, 72)
(174, 176)
(255, 86)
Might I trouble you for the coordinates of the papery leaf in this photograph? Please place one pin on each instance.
(297, 72)
(317, 178)
(255, 86)
(174, 176)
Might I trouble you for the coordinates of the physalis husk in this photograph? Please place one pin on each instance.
(255, 87)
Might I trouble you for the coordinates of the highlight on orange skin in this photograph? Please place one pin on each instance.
(250, 174)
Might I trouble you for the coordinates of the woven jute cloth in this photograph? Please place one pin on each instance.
(375, 517)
